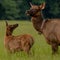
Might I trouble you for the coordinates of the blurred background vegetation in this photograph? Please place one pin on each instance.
(15, 9)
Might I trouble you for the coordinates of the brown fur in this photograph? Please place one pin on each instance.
(51, 28)
(16, 43)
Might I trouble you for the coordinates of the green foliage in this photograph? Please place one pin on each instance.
(54, 8)
(38, 1)
(11, 9)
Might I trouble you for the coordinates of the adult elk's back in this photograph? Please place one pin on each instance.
(16, 43)
(50, 28)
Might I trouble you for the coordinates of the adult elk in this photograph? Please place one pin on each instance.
(50, 27)
(16, 43)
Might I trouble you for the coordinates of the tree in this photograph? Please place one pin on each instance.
(53, 7)
(38, 1)
(11, 9)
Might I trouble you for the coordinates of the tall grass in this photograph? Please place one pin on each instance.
(40, 50)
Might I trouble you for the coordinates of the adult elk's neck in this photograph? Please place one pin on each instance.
(37, 21)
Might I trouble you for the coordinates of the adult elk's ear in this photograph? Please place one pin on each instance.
(42, 6)
(31, 4)
(6, 23)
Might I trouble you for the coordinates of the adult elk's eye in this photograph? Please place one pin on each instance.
(33, 10)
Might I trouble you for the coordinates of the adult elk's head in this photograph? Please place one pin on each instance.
(35, 10)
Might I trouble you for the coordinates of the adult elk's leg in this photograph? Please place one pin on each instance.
(54, 48)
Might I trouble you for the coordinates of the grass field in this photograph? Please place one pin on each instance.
(40, 50)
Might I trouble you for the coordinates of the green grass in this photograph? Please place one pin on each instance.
(40, 50)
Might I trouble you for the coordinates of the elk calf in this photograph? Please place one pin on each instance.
(17, 43)
(50, 27)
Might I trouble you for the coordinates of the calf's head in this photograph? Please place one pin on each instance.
(35, 10)
(10, 28)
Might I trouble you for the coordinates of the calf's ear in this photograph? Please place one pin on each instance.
(42, 6)
(6, 23)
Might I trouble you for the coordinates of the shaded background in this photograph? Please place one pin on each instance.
(15, 9)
